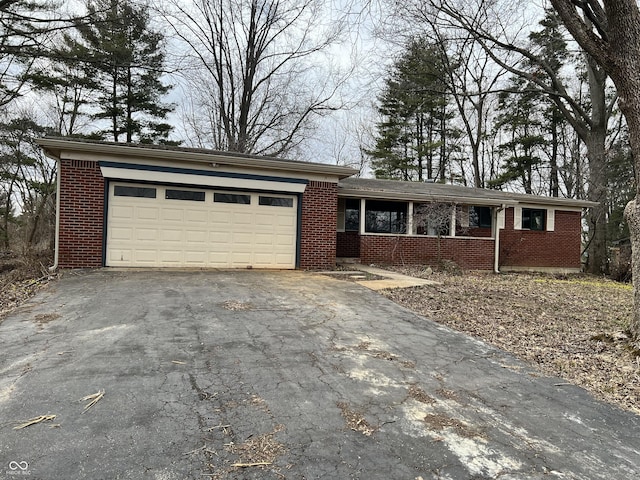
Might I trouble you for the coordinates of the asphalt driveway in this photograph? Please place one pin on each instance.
(272, 375)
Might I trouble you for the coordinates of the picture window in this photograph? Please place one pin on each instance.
(385, 217)
(480, 217)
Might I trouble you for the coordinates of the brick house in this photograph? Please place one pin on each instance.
(154, 206)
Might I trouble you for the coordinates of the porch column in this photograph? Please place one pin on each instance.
(409, 219)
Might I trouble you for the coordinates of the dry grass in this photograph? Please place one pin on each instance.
(21, 277)
(355, 420)
(262, 450)
(573, 327)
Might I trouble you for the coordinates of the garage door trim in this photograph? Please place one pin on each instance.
(298, 213)
(186, 176)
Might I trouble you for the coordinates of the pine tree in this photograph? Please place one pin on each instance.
(518, 119)
(412, 137)
(128, 59)
(532, 121)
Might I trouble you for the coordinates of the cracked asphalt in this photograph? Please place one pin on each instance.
(279, 375)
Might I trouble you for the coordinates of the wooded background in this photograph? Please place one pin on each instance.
(488, 94)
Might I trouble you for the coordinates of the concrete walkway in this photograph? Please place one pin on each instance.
(391, 280)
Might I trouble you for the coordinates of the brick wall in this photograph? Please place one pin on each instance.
(348, 245)
(319, 220)
(468, 253)
(525, 248)
(81, 214)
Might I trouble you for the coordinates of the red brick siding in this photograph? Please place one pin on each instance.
(482, 232)
(468, 253)
(319, 221)
(525, 248)
(348, 244)
(81, 214)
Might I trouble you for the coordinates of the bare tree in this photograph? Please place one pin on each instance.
(488, 23)
(252, 72)
(609, 31)
(434, 219)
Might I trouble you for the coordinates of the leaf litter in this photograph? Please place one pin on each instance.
(574, 327)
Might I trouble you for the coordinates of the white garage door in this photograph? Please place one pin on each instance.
(164, 226)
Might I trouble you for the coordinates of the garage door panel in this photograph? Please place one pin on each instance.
(146, 234)
(169, 232)
(147, 213)
(220, 218)
(196, 236)
(171, 256)
(120, 255)
(242, 238)
(148, 257)
(220, 238)
(122, 233)
(195, 257)
(264, 239)
(197, 216)
(172, 215)
(263, 219)
(239, 219)
(171, 235)
(121, 211)
(285, 221)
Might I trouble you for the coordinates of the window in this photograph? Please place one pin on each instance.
(480, 217)
(232, 198)
(276, 201)
(184, 195)
(534, 219)
(140, 192)
(352, 215)
(433, 219)
(385, 217)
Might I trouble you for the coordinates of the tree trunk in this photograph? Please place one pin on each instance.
(632, 216)
(596, 155)
(597, 192)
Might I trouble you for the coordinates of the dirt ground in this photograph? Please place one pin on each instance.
(570, 326)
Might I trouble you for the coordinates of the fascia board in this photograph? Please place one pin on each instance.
(558, 204)
(61, 148)
(417, 198)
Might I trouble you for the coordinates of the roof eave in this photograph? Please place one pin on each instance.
(56, 147)
(480, 201)
(354, 193)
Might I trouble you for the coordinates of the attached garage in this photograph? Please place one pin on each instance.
(122, 205)
(169, 226)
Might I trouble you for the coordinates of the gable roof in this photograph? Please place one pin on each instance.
(430, 192)
(57, 146)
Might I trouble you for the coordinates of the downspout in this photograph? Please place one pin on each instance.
(496, 253)
(56, 247)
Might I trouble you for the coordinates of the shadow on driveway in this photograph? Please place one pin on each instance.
(271, 375)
